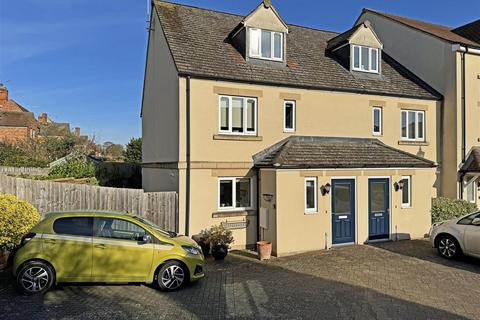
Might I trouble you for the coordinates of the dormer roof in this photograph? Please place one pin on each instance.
(362, 34)
(265, 16)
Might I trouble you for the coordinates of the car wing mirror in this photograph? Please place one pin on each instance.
(145, 239)
(476, 222)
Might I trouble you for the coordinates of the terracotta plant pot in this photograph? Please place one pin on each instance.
(219, 251)
(4, 255)
(264, 250)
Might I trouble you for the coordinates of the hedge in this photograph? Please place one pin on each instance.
(446, 209)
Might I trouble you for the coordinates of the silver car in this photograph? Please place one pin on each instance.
(457, 236)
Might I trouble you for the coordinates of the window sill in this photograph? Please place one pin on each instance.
(413, 143)
(234, 213)
(236, 137)
(406, 207)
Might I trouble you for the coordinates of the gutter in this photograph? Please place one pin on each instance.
(187, 177)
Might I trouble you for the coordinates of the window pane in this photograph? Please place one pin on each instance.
(251, 115)
(277, 41)
(310, 194)
(471, 191)
(376, 120)
(288, 116)
(266, 44)
(226, 193)
(377, 194)
(356, 57)
(81, 226)
(243, 193)
(420, 125)
(404, 124)
(237, 115)
(406, 192)
(365, 57)
(254, 42)
(411, 125)
(342, 199)
(374, 59)
(117, 229)
(224, 111)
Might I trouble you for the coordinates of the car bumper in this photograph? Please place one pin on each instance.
(196, 266)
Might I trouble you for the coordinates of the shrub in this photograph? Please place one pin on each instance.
(14, 156)
(17, 217)
(445, 208)
(133, 152)
(75, 168)
(218, 235)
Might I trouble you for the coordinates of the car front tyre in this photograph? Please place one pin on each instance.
(35, 277)
(448, 247)
(172, 276)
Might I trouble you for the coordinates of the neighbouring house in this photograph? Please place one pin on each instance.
(50, 128)
(302, 137)
(16, 122)
(449, 60)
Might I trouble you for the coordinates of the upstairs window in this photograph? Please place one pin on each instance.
(266, 44)
(289, 116)
(413, 125)
(365, 59)
(377, 121)
(238, 115)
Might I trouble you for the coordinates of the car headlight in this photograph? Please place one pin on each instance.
(191, 250)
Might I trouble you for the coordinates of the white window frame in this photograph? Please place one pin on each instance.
(315, 195)
(272, 44)
(409, 203)
(230, 116)
(359, 68)
(473, 183)
(406, 138)
(234, 195)
(293, 103)
(379, 133)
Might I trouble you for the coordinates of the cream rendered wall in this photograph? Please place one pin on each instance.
(434, 61)
(297, 231)
(160, 115)
(318, 113)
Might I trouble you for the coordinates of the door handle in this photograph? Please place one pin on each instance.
(100, 246)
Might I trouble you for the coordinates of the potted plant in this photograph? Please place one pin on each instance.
(264, 250)
(219, 239)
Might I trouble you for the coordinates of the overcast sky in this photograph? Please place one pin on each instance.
(82, 61)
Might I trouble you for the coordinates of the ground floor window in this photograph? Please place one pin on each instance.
(234, 193)
(406, 192)
(471, 191)
(310, 195)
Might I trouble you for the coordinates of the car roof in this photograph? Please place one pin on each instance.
(88, 213)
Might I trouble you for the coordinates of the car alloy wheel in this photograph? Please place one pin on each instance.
(447, 247)
(173, 277)
(35, 279)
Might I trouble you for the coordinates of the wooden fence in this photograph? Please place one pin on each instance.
(48, 196)
(24, 170)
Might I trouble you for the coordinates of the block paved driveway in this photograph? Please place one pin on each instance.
(400, 280)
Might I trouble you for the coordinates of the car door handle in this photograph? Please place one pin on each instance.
(100, 246)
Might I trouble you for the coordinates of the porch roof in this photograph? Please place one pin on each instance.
(472, 163)
(332, 152)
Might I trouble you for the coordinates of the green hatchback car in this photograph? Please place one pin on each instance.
(104, 247)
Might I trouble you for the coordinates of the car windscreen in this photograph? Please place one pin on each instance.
(154, 227)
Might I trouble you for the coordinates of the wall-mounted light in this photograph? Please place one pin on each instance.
(267, 197)
(325, 189)
(398, 185)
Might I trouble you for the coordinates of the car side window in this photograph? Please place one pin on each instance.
(75, 226)
(468, 219)
(117, 229)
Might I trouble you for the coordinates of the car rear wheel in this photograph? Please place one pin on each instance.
(172, 276)
(448, 247)
(35, 277)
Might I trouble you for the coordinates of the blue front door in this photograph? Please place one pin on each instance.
(343, 211)
(378, 209)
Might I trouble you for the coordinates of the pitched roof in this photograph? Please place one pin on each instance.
(470, 31)
(54, 129)
(198, 41)
(472, 163)
(17, 119)
(12, 105)
(437, 30)
(332, 152)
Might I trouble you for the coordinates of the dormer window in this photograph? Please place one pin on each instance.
(266, 44)
(365, 59)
